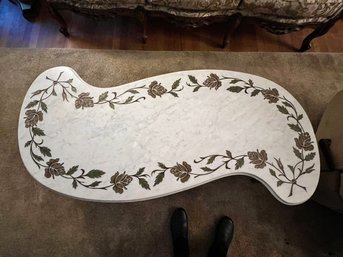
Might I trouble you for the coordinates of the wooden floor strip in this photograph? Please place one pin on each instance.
(125, 33)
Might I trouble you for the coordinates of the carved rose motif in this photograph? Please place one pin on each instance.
(258, 158)
(304, 142)
(84, 101)
(271, 94)
(181, 171)
(32, 118)
(213, 81)
(54, 168)
(120, 181)
(155, 89)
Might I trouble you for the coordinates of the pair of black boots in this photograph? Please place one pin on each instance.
(179, 230)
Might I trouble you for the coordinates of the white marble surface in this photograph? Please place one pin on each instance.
(130, 129)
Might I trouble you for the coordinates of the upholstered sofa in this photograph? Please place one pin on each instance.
(277, 16)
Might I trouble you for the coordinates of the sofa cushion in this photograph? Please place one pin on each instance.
(201, 5)
(101, 4)
(293, 8)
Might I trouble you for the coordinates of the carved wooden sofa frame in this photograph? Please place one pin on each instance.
(233, 21)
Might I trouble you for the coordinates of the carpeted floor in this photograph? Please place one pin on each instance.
(35, 221)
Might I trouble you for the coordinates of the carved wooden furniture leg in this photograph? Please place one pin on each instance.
(54, 13)
(237, 20)
(319, 31)
(142, 17)
(30, 9)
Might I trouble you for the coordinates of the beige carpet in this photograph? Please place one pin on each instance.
(35, 221)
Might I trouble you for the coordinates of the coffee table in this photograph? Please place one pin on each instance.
(165, 134)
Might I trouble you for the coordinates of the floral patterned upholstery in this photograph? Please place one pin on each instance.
(194, 8)
(208, 5)
(292, 11)
(101, 4)
(190, 13)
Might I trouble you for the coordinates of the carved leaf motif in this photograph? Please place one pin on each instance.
(72, 170)
(211, 159)
(128, 100)
(235, 89)
(31, 104)
(287, 104)
(282, 109)
(193, 79)
(144, 184)
(279, 183)
(196, 89)
(159, 178)
(234, 81)
(161, 165)
(272, 172)
(44, 107)
(207, 169)
(74, 184)
(239, 163)
(310, 156)
(255, 92)
(95, 184)
(103, 96)
(291, 168)
(174, 94)
(64, 96)
(45, 151)
(28, 143)
(140, 171)
(309, 169)
(228, 154)
(279, 163)
(176, 84)
(297, 153)
(37, 157)
(36, 93)
(133, 91)
(294, 127)
(95, 173)
(73, 88)
(37, 131)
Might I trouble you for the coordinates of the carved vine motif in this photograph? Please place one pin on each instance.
(183, 172)
(303, 144)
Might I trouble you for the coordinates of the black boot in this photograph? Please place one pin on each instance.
(224, 234)
(179, 230)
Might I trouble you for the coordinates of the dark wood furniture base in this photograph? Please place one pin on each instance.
(142, 16)
(320, 30)
(232, 22)
(138, 13)
(30, 9)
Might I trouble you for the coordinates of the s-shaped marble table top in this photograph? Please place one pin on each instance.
(165, 134)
